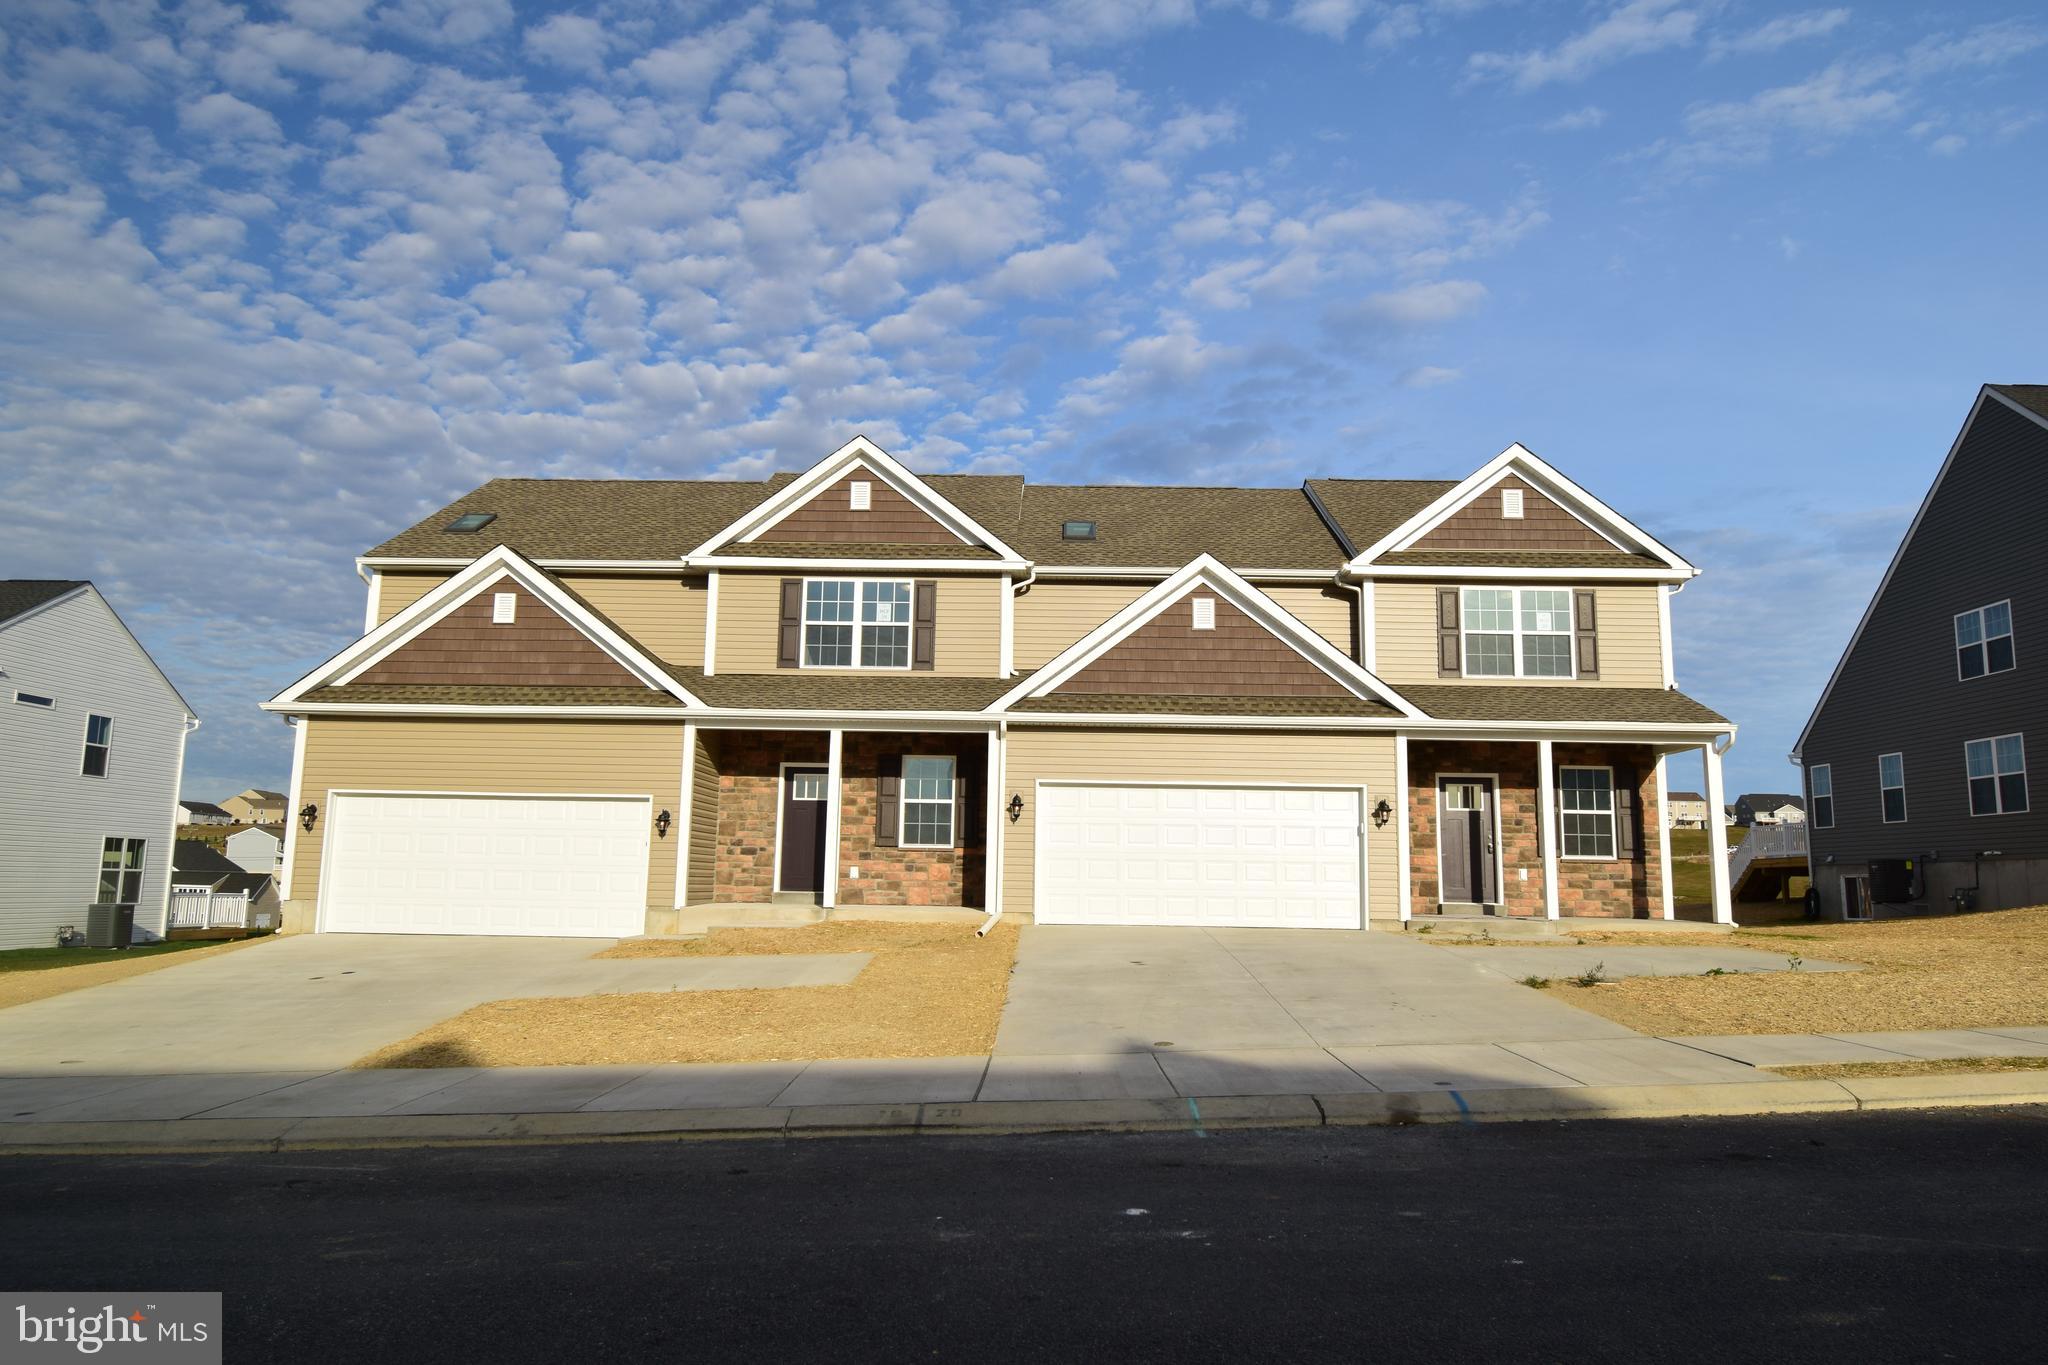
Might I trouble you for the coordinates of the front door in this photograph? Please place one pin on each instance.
(1465, 853)
(803, 830)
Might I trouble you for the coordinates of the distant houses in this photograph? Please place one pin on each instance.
(1685, 810)
(1769, 808)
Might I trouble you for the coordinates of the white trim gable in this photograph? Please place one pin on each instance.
(1208, 572)
(480, 577)
(862, 453)
(1519, 461)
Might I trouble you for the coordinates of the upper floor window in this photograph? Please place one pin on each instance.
(1984, 641)
(99, 745)
(1998, 774)
(33, 699)
(1891, 786)
(856, 622)
(1517, 632)
(1820, 787)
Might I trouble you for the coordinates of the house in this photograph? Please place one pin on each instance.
(1769, 808)
(202, 813)
(1686, 810)
(197, 863)
(256, 807)
(1915, 757)
(93, 739)
(259, 848)
(203, 880)
(584, 706)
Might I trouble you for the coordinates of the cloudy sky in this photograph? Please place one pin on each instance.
(277, 280)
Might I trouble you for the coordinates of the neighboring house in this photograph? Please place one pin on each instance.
(202, 813)
(1687, 810)
(196, 863)
(584, 705)
(199, 867)
(259, 848)
(1916, 757)
(256, 807)
(1728, 816)
(1769, 808)
(92, 746)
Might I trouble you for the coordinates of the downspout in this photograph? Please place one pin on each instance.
(1359, 625)
(993, 876)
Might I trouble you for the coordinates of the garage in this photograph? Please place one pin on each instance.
(1237, 856)
(545, 866)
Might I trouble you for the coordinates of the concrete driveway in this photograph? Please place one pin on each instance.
(313, 1002)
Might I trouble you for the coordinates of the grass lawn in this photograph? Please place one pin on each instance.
(1986, 970)
(932, 990)
(1690, 875)
(37, 973)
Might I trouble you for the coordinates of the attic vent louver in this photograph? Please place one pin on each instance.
(1077, 530)
(860, 494)
(1511, 504)
(470, 522)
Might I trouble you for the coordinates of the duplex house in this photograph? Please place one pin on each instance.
(202, 813)
(581, 706)
(1916, 756)
(1769, 808)
(255, 806)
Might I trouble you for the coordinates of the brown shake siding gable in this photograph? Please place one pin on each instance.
(1167, 656)
(1543, 525)
(829, 518)
(536, 648)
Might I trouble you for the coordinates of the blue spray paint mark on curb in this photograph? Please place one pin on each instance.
(1464, 1109)
(1195, 1113)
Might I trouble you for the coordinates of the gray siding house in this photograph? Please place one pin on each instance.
(1916, 760)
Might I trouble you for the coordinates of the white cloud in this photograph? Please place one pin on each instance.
(1631, 30)
(1428, 377)
(1051, 270)
(1782, 31)
(569, 41)
(1331, 18)
(1418, 305)
(222, 116)
(1948, 144)
(1577, 121)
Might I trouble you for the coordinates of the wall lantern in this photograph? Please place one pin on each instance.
(307, 816)
(1382, 813)
(1016, 807)
(662, 822)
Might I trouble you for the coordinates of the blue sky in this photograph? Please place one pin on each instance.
(277, 280)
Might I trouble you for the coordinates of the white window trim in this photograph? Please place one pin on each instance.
(1984, 640)
(1997, 792)
(141, 868)
(1613, 816)
(1814, 796)
(854, 665)
(85, 746)
(903, 803)
(1570, 633)
(1900, 789)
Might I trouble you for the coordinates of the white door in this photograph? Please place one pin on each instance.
(1243, 857)
(564, 867)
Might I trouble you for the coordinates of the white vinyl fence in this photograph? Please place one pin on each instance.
(195, 907)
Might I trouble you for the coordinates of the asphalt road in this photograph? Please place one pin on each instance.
(1875, 1237)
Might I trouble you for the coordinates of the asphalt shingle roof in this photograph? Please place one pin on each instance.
(1519, 559)
(2032, 397)
(18, 595)
(797, 690)
(1367, 509)
(1592, 705)
(1099, 703)
(194, 858)
(471, 694)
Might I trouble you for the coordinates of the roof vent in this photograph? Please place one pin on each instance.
(469, 523)
(860, 495)
(1077, 530)
(1511, 503)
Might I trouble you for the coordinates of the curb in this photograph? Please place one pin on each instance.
(1199, 1116)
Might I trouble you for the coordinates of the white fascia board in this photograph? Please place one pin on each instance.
(1363, 573)
(1168, 570)
(860, 450)
(785, 563)
(1208, 571)
(393, 708)
(665, 566)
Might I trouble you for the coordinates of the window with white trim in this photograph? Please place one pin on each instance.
(99, 745)
(1820, 788)
(849, 619)
(1998, 774)
(1891, 787)
(927, 796)
(121, 863)
(1517, 633)
(1585, 798)
(1984, 641)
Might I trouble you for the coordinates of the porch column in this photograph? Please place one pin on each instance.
(1663, 835)
(1546, 823)
(992, 843)
(833, 747)
(1400, 805)
(1717, 838)
(681, 831)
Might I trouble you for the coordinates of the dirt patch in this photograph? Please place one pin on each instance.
(931, 991)
(18, 988)
(1943, 1066)
(1960, 971)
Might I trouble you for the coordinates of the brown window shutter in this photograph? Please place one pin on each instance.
(961, 805)
(790, 639)
(1447, 663)
(1586, 619)
(1628, 814)
(924, 629)
(888, 798)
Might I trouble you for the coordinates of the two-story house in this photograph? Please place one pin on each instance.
(255, 806)
(1685, 810)
(580, 707)
(1916, 755)
(1769, 808)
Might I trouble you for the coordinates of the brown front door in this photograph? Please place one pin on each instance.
(803, 830)
(1465, 853)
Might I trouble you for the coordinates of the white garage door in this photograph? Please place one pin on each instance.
(1249, 857)
(542, 865)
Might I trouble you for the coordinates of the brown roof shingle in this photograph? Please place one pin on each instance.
(1123, 704)
(465, 694)
(1519, 559)
(1593, 705)
(799, 690)
(2032, 397)
(1367, 509)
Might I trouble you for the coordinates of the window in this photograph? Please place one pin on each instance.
(1586, 797)
(504, 608)
(1891, 786)
(1511, 504)
(1998, 775)
(121, 871)
(1517, 633)
(807, 787)
(1820, 785)
(860, 495)
(1205, 613)
(1984, 641)
(846, 619)
(469, 523)
(99, 744)
(927, 803)
(31, 699)
(1077, 530)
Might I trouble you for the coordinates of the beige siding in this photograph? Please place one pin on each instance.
(1222, 757)
(969, 642)
(666, 615)
(1330, 612)
(448, 754)
(703, 831)
(1631, 654)
(1053, 615)
(397, 591)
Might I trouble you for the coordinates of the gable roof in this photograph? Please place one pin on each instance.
(201, 808)
(196, 858)
(2032, 397)
(1770, 800)
(261, 795)
(18, 595)
(1684, 796)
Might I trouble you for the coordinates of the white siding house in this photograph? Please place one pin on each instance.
(94, 739)
(260, 848)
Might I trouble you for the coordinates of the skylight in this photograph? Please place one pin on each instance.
(470, 522)
(1077, 530)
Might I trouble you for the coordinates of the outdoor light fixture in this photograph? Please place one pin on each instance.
(1382, 813)
(661, 824)
(307, 816)
(1016, 807)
